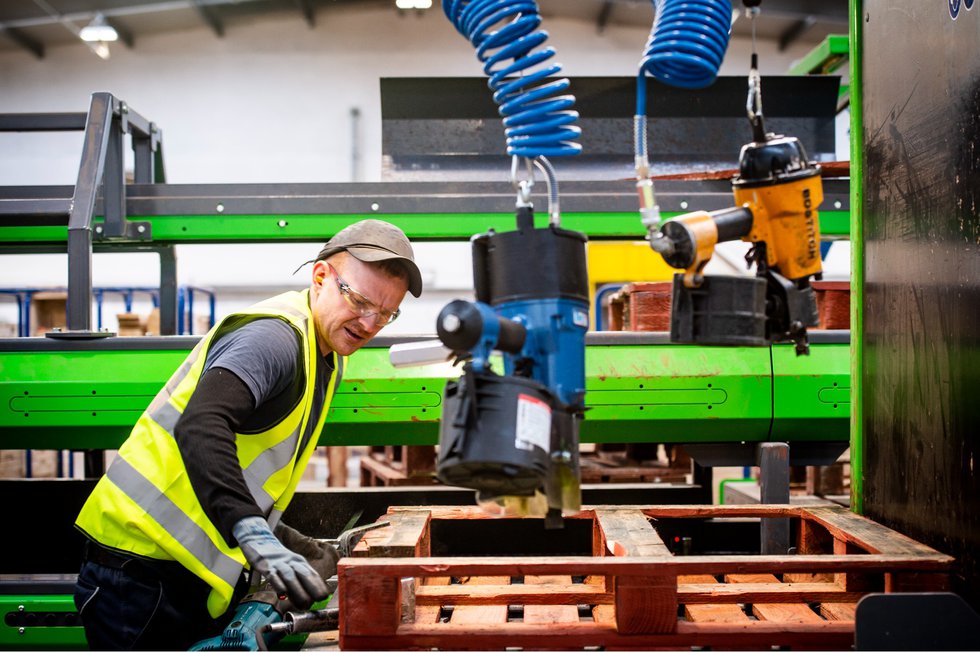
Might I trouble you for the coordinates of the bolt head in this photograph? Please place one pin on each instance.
(451, 323)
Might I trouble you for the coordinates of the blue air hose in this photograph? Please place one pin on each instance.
(685, 49)
(687, 44)
(537, 121)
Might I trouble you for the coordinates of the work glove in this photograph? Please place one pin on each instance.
(288, 573)
(320, 554)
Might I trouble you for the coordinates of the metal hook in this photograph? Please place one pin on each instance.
(522, 186)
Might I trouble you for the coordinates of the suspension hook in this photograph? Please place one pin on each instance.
(753, 103)
(522, 186)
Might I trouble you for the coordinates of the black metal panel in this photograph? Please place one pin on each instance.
(40, 514)
(21, 205)
(921, 299)
(449, 128)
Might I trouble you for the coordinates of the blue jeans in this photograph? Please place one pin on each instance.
(145, 605)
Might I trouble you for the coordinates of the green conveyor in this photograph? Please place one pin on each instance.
(639, 388)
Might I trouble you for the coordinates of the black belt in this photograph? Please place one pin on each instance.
(138, 567)
(150, 570)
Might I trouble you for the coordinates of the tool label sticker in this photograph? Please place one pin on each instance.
(533, 424)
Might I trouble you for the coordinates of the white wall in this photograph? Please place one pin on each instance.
(270, 102)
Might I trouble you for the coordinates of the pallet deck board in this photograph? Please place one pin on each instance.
(550, 613)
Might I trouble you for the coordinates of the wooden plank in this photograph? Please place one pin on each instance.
(751, 592)
(838, 611)
(709, 613)
(761, 635)
(428, 613)
(407, 536)
(865, 533)
(481, 614)
(535, 593)
(628, 533)
(641, 566)
(550, 613)
(720, 511)
(472, 512)
(775, 612)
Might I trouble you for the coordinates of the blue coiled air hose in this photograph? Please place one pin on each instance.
(537, 120)
(685, 49)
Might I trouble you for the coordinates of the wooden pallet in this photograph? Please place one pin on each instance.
(605, 468)
(390, 466)
(632, 593)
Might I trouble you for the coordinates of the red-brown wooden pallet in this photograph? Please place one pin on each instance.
(385, 466)
(632, 593)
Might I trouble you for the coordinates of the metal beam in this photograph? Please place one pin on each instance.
(43, 121)
(309, 14)
(24, 41)
(795, 31)
(124, 34)
(209, 16)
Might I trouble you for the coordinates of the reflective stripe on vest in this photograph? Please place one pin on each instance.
(163, 510)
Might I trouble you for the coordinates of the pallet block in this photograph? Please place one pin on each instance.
(632, 593)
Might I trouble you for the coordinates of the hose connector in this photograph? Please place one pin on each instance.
(649, 210)
(662, 244)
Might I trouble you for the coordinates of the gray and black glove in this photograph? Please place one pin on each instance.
(288, 572)
(320, 554)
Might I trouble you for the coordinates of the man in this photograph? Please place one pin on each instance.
(196, 492)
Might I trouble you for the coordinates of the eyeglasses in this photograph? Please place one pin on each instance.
(361, 305)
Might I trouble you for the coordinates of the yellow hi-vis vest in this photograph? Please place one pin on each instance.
(145, 504)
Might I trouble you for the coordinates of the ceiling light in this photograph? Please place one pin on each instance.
(413, 4)
(101, 49)
(98, 31)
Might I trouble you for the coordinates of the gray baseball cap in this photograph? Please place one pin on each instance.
(373, 240)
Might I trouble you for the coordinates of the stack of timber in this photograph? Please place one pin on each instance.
(640, 307)
(384, 466)
(392, 466)
(614, 463)
(632, 592)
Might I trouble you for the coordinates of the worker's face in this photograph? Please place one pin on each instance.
(338, 325)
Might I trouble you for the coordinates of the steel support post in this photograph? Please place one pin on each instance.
(773, 462)
(168, 289)
(79, 313)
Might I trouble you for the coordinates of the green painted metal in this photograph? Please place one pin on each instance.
(59, 400)
(726, 481)
(824, 59)
(177, 229)
(27, 622)
(811, 394)
(676, 393)
(34, 622)
(857, 257)
(635, 393)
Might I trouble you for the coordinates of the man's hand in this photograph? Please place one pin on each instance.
(320, 554)
(288, 573)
